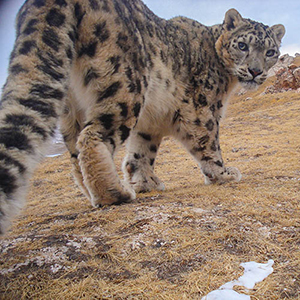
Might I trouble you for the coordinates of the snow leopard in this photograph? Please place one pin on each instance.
(111, 71)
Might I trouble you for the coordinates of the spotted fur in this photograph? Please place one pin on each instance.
(113, 71)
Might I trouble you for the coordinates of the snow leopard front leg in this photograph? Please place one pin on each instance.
(138, 165)
(203, 144)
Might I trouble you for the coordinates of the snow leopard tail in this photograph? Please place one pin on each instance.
(33, 95)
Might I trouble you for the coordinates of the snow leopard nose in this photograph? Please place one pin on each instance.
(255, 72)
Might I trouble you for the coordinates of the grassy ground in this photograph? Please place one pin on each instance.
(178, 244)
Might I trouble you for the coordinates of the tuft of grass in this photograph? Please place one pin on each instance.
(178, 244)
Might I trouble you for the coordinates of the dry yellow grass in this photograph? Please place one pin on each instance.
(178, 244)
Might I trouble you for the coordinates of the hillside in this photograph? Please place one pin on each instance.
(178, 244)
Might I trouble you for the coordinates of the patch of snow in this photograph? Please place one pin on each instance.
(226, 295)
(254, 273)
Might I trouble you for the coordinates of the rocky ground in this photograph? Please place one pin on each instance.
(178, 244)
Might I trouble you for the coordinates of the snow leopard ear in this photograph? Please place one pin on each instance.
(278, 31)
(232, 19)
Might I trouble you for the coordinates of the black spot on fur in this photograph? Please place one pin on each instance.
(152, 160)
(46, 92)
(105, 6)
(51, 59)
(206, 158)
(145, 81)
(61, 3)
(145, 136)
(49, 67)
(73, 35)
(136, 109)
(89, 49)
(153, 148)
(101, 32)
(210, 125)
(176, 116)
(94, 4)
(213, 146)
(23, 120)
(115, 61)
(49, 70)
(124, 109)
(136, 156)
(17, 69)
(90, 75)
(7, 181)
(110, 91)
(39, 3)
(79, 14)
(202, 100)
(131, 87)
(29, 29)
(199, 149)
(73, 155)
(51, 39)
(128, 73)
(189, 136)
(107, 120)
(202, 143)
(45, 109)
(55, 18)
(125, 131)
(219, 104)
(197, 122)
(138, 86)
(27, 46)
(122, 42)
(13, 138)
(69, 53)
(219, 163)
(208, 85)
(9, 161)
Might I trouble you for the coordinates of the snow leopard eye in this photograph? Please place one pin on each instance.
(270, 53)
(243, 46)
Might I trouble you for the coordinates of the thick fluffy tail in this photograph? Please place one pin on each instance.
(33, 96)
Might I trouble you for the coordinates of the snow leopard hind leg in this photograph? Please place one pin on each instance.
(33, 96)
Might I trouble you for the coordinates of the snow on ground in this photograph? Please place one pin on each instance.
(254, 273)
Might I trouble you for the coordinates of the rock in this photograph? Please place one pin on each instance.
(283, 61)
(287, 76)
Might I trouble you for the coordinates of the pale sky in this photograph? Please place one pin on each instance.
(208, 12)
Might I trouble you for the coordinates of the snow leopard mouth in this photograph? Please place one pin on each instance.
(249, 84)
